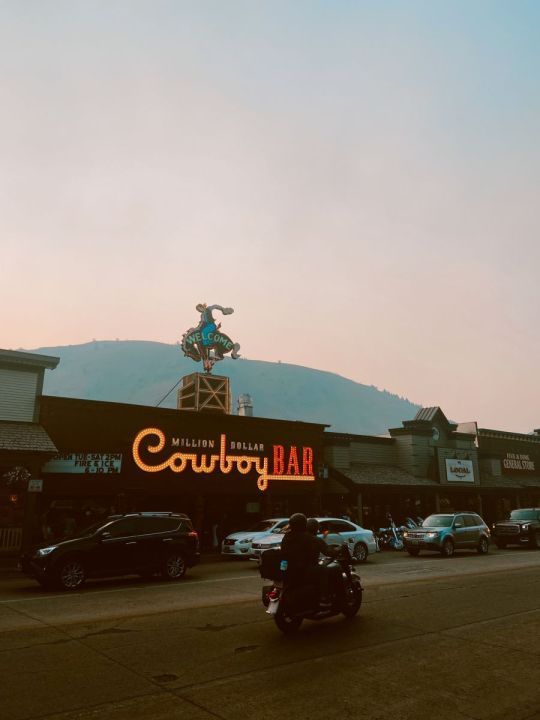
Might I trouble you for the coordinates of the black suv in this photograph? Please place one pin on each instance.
(521, 528)
(137, 543)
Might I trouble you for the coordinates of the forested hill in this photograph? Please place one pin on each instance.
(143, 372)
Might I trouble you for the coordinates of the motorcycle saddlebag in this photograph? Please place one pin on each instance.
(270, 565)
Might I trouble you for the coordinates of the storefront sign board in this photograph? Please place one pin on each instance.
(458, 470)
(79, 463)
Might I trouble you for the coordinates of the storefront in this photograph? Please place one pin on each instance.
(24, 443)
(427, 465)
(225, 471)
(509, 470)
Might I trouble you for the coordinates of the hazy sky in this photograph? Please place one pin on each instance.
(359, 180)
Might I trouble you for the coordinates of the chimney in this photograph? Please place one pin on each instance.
(245, 405)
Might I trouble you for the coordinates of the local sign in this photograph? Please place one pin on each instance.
(222, 456)
(459, 470)
(206, 343)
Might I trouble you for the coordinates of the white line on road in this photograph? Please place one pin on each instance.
(124, 589)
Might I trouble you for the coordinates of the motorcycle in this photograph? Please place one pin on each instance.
(391, 537)
(290, 605)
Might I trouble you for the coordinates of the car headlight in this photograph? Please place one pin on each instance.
(405, 534)
(526, 526)
(46, 551)
(431, 534)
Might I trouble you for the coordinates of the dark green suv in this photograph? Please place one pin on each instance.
(446, 532)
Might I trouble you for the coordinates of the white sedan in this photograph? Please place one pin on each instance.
(238, 544)
(334, 530)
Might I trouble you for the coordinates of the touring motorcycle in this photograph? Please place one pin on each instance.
(291, 605)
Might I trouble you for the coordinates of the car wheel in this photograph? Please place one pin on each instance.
(483, 546)
(413, 551)
(174, 567)
(447, 549)
(500, 544)
(360, 552)
(71, 574)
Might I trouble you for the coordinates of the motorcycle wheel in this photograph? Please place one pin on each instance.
(353, 601)
(286, 624)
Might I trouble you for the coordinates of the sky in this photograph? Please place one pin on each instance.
(358, 180)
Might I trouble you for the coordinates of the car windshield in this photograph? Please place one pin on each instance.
(438, 521)
(523, 515)
(261, 526)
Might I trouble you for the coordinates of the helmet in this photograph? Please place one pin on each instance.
(313, 526)
(298, 522)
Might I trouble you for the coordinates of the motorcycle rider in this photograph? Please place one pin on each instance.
(325, 576)
(297, 549)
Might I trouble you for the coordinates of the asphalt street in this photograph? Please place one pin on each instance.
(435, 638)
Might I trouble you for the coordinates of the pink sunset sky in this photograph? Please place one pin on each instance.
(359, 180)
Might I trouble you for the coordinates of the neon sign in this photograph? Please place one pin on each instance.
(287, 463)
(205, 342)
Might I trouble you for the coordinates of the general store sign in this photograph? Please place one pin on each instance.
(459, 470)
(153, 452)
(516, 461)
(75, 463)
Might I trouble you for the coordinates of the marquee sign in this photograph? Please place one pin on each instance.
(205, 342)
(77, 463)
(275, 463)
(459, 470)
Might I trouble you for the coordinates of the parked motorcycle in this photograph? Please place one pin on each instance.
(291, 605)
(391, 537)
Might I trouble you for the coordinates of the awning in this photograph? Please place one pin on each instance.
(25, 437)
(367, 474)
(504, 482)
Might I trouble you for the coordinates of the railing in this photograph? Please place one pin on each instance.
(10, 539)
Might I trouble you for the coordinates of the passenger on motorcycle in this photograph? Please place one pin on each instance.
(326, 576)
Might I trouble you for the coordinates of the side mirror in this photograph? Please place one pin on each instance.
(458, 524)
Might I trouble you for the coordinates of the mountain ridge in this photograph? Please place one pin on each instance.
(142, 372)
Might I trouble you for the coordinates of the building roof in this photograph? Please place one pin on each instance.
(25, 437)
(15, 357)
(368, 474)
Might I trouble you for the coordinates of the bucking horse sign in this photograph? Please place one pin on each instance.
(206, 342)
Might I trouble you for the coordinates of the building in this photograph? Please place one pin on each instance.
(433, 465)
(225, 471)
(24, 443)
(65, 462)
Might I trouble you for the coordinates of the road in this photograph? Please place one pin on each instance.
(435, 638)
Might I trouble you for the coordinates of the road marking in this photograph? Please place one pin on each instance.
(67, 595)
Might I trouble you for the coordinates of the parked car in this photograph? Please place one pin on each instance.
(132, 544)
(446, 532)
(238, 544)
(521, 528)
(360, 541)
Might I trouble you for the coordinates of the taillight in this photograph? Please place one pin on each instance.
(193, 534)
